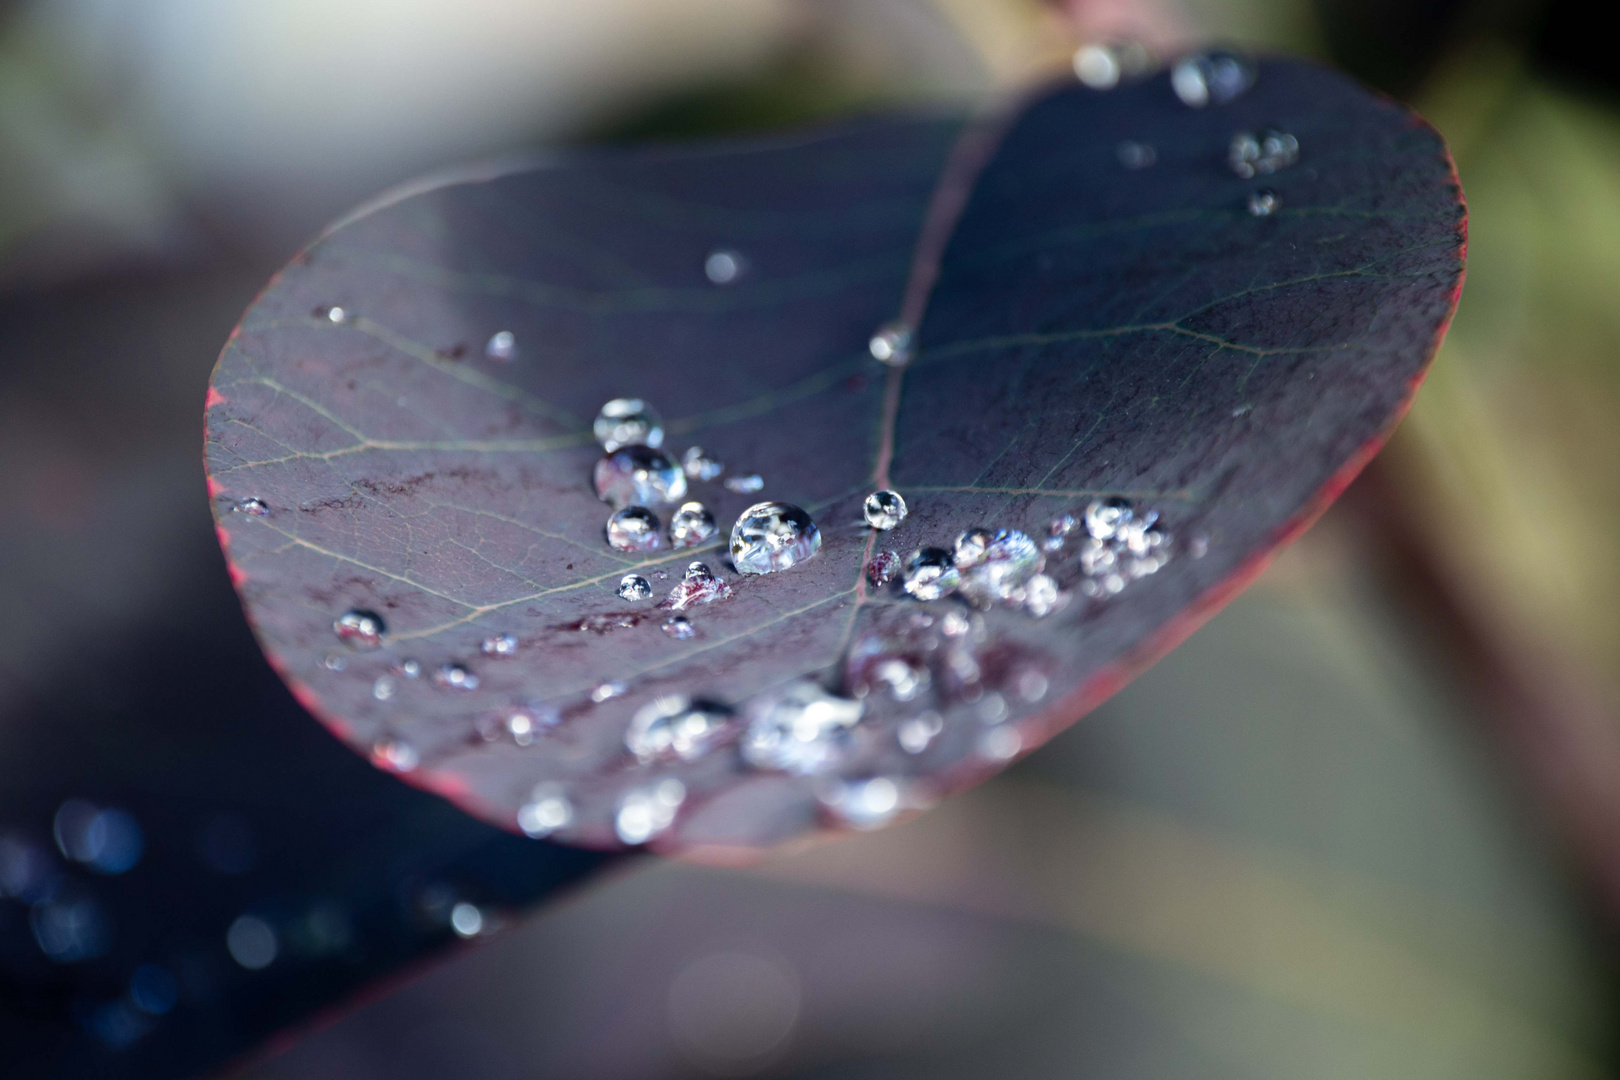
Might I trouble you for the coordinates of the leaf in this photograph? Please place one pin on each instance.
(1093, 331)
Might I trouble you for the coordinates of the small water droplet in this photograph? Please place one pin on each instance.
(881, 570)
(334, 662)
(691, 526)
(862, 804)
(383, 688)
(699, 466)
(1214, 77)
(903, 677)
(917, 733)
(697, 586)
(929, 574)
(724, 266)
(639, 476)
(647, 811)
(674, 726)
(884, 509)
(360, 629)
(1097, 66)
(892, 344)
(411, 669)
(956, 624)
(772, 536)
(992, 708)
(394, 754)
(1198, 546)
(501, 346)
(337, 314)
(547, 810)
(635, 528)
(107, 840)
(799, 729)
(634, 587)
(1042, 596)
(1105, 516)
(605, 691)
(1058, 531)
(454, 676)
(678, 627)
(997, 564)
(525, 725)
(1136, 155)
(499, 645)
(1264, 203)
(252, 942)
(256, 507)
(1000, 743)
(745, 485)
(1268, 152)
(628, 422)
(466, 919)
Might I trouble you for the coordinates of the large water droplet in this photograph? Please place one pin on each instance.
(547, 810)
(499, 645)
(1007, 559)
(1271, 150)
(699, 466)
(634, 587)
(394, 754)
(772, 536)
(647, 811)
(639, 476)
(799, 729)
(892, 344)
(884, 509)
(360, 629)
(502, 346)
(862, 804)
(628, 422)
(724, 266)
(1214, 77)
(691, 525)
(745, 485)
(930, 573)
(455, 677)
(635, 528)
(676, 727)
(697, 586)
(1264, 203)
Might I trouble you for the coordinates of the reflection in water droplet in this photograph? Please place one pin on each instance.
(884, 509)
(1214, 77)
(691, 525)
(679, 627)
(639, 476)
(1096, 66)
(1000, 564)
(697, 586)
(501, 346)
(917, 733)
(862, 804)
(745, 485)
(892, 344)
(647, 811)
(1135, 155)
(360, 629)
(256, 507)
(881, 570)
(252, 942)
(1264, 203)
(383, 688)
(1271, 150)
(724, 266)
(772, 536)
(799, 729)
(499, 645)
(930, 573)
(466, 919)
(628, 422)
(547, 810)
(634, 528)
(699, 466)
(634, 587)
(604, 691)
(674, 726)
(394, 754)
(455, 677)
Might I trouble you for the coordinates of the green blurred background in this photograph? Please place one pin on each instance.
(1365, 823)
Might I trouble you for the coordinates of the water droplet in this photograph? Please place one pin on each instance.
(679, 627)
(697, 586)
(256, 507)
(1105, 516)
(501, 346)
(691, 525)
(1000, 743)
(455, 677)
(862, 804)
(647, 811)
(992, 708)
(1270, 151)
(394, 754)
(383, 688)
(628, 422)
(499, 645)
(411, 669)
(1097, 66)
(1136, 155)
(1214, 77)
(605, 691)
(337, 314)
(252, 942)
(745, 485)
(108, 841)
(1058, 531)
(334, 662)
(772, 536)
(884, 509)
(635, 528)
(956, 624)
(639, 476)
(917, 733)
(903, 677)
(892, 344)
(1002, 564)
(466, 919)
(674, 726)
(724, 266)
(1042, 596)
(880, 571)
(634, 587)
(547, 810)
(1031, 684)
(929, 574)
(1198, 546)
(799, 729)
(523, 726)
(1264, 203)
(699, 466)
(360, 629)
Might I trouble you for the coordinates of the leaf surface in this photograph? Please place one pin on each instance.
(1092, 330)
